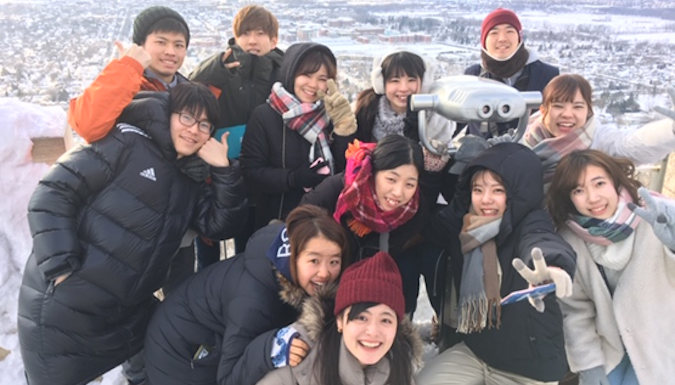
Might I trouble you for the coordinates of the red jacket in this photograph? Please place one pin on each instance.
(93, 114)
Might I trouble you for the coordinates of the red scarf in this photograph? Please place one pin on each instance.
(358, 196)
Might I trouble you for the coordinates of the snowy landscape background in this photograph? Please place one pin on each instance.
(52, 50)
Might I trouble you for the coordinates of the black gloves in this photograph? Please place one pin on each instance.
(307, 177)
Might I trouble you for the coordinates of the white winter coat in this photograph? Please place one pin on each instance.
(639, 319)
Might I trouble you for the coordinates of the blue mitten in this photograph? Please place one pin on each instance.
(660, 213)
(593, 376)
(282, 345)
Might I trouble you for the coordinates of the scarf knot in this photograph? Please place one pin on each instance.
(308, 119)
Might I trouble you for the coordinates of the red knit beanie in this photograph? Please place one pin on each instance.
(496, 17)
(375, 279)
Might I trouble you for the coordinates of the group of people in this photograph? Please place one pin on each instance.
(334, 213)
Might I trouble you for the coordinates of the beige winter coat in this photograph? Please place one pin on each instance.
(639, 319)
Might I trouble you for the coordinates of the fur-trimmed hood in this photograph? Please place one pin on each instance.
(291, 293)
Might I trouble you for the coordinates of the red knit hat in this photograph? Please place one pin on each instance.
(375, 279)
(496, 17)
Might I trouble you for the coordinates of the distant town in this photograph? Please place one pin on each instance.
(53, 50)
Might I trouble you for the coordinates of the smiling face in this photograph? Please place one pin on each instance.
(370, 335)
(397, 89)
(488, 195)
(318, 264)
(561, 118)
(306, 86)
(595, 196)
(256, 42)
(502, 41)
(187, 140)
(396, 187)
(167, 50)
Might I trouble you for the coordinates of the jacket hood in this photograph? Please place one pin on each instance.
(318, 309)
(292, 59)
(522, 173)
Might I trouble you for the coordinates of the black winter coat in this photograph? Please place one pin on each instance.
(535, 77)
(326, 195)
(241, 89)
(224, 307)
(527, 343)
(270, 151)
(112, 214)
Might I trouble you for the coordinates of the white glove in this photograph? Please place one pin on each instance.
(543, 274)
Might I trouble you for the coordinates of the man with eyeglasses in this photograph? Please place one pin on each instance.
(106, 221)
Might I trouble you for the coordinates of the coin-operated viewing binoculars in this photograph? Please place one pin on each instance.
(468, 99)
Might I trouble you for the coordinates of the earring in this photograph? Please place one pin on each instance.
(339, 330)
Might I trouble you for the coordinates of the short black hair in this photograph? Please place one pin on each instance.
(194, 98)
(396, 150)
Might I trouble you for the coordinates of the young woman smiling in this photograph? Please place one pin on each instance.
(204, 332)
(567, 123)
(299, 136)
(377, 198)
(623, 300)
(361, 336)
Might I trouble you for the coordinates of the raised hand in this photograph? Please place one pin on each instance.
(668, 112)
(660, 213)
(338, 109)
(543, 274)
(223, 59)
(508, 137)
(214, 152)
(135, 52)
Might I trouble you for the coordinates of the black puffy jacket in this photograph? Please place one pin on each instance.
(527, 343)
(224, 308)
(270, 151)
(241, 88)
(112, 214)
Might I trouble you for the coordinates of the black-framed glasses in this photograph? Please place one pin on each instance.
(188, 120)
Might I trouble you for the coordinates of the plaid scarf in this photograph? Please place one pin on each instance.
(551, 149)
(308, 119)
(479, 295)
(358, 196)
(605, 232)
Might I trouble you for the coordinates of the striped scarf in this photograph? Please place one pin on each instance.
(308, 119)
(479, 294)
(551, 149)
(358, 196)
(605, 232)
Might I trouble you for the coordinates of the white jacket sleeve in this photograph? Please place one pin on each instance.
(644, 145)
(582, 342)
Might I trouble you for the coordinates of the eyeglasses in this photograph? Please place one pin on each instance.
(188, 121)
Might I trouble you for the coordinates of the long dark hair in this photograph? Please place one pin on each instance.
(330, 341)
(572, 166)
(396, 150)
(398, 64)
